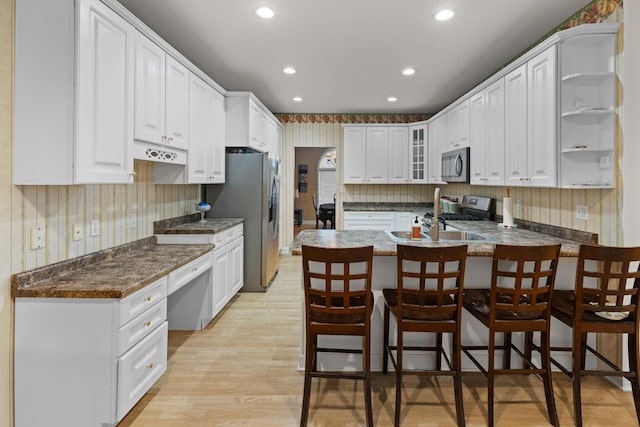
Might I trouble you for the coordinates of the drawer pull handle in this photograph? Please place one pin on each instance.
(148, 298)
(147, 323)
(150, 365)
(194, 269)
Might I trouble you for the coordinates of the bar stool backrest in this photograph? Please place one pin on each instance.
(607, 281)
(430, 282)
(522, 281)
(337, 285)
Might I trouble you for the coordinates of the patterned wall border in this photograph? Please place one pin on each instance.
(349, 118)
(595, 12)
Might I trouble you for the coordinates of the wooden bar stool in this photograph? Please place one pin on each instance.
(604, 300)
(522, 281)
(338, 301)
(427, 298)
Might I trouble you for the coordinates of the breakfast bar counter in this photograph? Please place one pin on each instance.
(477, 275)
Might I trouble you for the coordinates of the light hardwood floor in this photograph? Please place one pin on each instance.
(241, 371)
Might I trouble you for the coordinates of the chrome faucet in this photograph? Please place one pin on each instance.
(435, 228)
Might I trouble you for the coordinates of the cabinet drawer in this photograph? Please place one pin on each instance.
(187, 272)
(221, 238)
(237, 231)
(140, 368)
(371, 216)
(138, 302)
(135, 330)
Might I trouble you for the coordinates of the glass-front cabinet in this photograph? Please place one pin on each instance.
(418, 153)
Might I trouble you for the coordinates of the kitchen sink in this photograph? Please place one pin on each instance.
(445, 235)
(405, 235)
(461, 235)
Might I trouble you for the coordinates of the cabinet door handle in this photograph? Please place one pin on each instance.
(147, 323)
(150, 365)
(194, 269)
(148, 298)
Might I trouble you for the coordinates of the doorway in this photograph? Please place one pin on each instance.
(315, 174)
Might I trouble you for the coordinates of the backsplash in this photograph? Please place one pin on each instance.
(58, 208)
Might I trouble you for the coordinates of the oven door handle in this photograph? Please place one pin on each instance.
(458, 163)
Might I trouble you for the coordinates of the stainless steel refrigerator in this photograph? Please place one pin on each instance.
(251, 191)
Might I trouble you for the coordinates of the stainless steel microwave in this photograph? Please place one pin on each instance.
(455, 165)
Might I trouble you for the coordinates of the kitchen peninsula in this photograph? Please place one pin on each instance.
(478, 274)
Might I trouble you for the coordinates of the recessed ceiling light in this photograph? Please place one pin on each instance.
(265, 12)
(408, 71)
(289, 70)
(297, 99)
(444, 15)
(392, 99)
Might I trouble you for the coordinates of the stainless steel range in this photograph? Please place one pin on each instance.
(472, 208)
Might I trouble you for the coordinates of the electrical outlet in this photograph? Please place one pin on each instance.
(37, 238)
(605, 162)
(77, 231)
(95, 228)
(582, 212)
(518, 207)
(134, 220)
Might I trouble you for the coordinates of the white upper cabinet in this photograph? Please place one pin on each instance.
(398, 155)
(541, 115)
(438, 144)
(377, 157)
(79, 119)
(250, 124)
(375, 154)
(418, 154)
(104, 96)
(486, 135)
(206, 128)
(587, 111)
(515, 126)
(458, 126)
(530, 122)
(354, 155)
(162, 96)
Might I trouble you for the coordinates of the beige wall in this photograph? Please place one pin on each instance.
(6, 306)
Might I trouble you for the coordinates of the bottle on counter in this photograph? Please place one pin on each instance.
(416, 230)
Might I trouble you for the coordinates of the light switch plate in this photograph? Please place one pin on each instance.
(582, 212)
(77, 231)
(95, 228)
(37, 238)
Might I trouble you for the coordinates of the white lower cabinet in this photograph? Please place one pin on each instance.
(140, 368)
(209, 292)
(85, 362)
(228, 273)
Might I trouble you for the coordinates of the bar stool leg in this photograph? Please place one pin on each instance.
(366, 365)
(457, 384)
(634, 356)
(546, 378)
(507, 350)
(306, 394)
(398, 377)
(490, 378)
(385, 342)
(439, 352)
(576, 376)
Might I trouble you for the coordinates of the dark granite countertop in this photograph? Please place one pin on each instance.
(384, 245)
(112, 273)
(190, 224)
(386, 206)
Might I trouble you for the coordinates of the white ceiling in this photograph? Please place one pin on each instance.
(349, 54)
